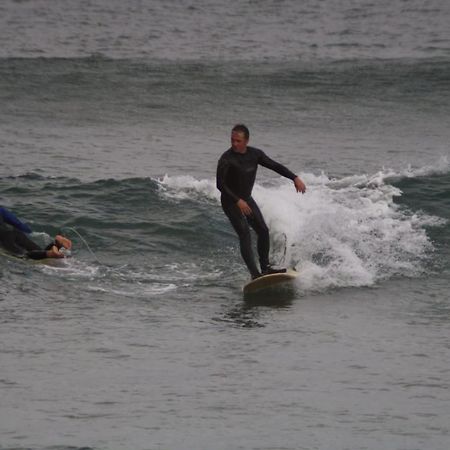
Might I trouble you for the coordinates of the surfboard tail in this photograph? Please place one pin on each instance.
(269, 281)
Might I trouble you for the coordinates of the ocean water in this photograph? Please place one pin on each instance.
(112, 118)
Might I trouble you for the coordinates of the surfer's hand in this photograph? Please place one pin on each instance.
(54, 253)
(243, 206)
(299, 185)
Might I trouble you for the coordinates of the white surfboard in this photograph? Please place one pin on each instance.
(268, 281)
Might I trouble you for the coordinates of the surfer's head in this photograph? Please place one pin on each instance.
(239, 138)
(241, 128)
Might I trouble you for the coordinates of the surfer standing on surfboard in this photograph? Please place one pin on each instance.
(13, 238)
(236, 173)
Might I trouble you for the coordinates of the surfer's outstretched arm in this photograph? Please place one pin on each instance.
(269, 163)
(53, 249)
(19, 243)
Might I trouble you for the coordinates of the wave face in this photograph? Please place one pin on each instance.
(97, 118)
(160, 233)
(352, 231)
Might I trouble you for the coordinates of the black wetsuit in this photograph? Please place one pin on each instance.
(236, 173)
(17, 242)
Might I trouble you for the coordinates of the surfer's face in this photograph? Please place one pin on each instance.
(238, 142)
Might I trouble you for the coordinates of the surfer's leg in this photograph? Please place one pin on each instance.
(257, 222)
(240, 225)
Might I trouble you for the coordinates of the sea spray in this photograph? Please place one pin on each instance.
(342, 232)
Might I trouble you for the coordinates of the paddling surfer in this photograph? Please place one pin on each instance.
(14, 239)
(236, 173)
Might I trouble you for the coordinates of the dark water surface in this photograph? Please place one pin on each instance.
(112, 118)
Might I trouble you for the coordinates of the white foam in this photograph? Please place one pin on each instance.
(182, 187)
(388, 175)
(71, 268)
(170, 273)
(342, 232)
(127, 290)
(131, 282)
(346, 235)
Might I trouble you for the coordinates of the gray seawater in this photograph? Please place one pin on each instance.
(112, 118)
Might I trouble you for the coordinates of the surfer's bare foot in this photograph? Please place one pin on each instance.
(62, 241)
(54, 253)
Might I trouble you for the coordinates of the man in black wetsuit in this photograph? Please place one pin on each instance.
(236, 173)
(13, 238)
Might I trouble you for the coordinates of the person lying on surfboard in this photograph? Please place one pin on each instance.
(14, 239)
(236, 173)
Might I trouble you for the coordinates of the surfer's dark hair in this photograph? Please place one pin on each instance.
(241, 128)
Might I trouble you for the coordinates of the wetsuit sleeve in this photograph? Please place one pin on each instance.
(265, 161)
(37, 254)
(10, 218)
(221, 179)
(40, 254)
